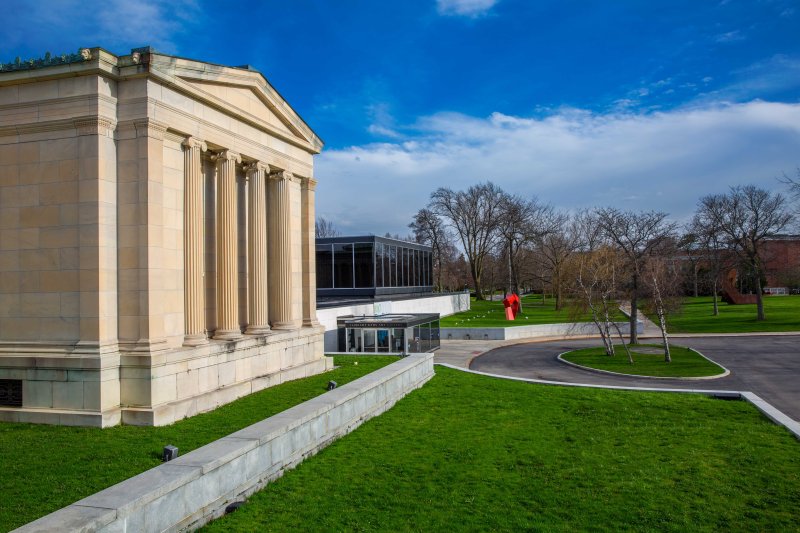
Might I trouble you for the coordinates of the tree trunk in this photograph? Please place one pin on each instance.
(716, 307)
(694, 279)
(634, 309)
(662, 320)
(759, 296)
(476, 279)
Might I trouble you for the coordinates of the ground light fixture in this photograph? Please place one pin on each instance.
(170, 453)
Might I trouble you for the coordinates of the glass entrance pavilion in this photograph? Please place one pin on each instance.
(389, 334)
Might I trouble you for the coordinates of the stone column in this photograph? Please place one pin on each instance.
(258, 300)
(309, 186)
(227, 249)
(280, 246)
(193, 289)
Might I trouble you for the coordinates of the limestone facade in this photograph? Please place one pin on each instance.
(156, 239)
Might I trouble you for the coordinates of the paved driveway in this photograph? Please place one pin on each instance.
(766, 365)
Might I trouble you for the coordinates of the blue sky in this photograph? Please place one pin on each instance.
(640, 104)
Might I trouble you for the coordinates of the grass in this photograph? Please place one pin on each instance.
(696, 316)
(491, 314)
(45, 468)
(473, 453)
(685, 362)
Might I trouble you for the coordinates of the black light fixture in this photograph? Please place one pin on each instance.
(331, 385)
(170, 453)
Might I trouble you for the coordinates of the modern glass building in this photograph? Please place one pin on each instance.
(390, 333)
(372, 266)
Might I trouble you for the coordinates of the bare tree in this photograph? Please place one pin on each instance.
(596, 291)
(474, 215)
(794, 187)
(324, 228)
(710, 244)
(661, 277)
(747, 216)
(555, 248)
(691, 244)
(520, 223)
(636, 235)
(430, 229)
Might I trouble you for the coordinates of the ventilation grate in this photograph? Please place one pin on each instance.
(11, 392)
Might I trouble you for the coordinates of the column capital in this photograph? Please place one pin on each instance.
(255, 166)
(96, 126)
(280, 175)
(150, 128)
(226, 155)
(193, 142)
(309, 183)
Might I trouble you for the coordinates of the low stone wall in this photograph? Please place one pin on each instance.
(195, 488)
(526, 332)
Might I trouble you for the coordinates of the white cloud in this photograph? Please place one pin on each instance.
(572, 158)
(730, 37)
(464, 8)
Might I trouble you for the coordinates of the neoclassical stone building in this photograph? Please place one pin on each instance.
(156, 239)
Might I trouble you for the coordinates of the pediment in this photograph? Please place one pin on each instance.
(249, 100)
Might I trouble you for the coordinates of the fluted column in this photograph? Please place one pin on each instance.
(309, 186)
(280, 245)
(193, 289)
(227, 249)
(257, 298)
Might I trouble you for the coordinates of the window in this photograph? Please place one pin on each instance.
(362, 254)
(393, 266)
(379, 264)
(324, 266)
(343, 266)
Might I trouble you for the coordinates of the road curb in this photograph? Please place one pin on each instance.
(638, 376)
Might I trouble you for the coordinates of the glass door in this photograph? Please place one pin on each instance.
(383, 340)
(369, 340)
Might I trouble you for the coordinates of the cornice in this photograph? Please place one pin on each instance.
(85, 125)
(59, 101)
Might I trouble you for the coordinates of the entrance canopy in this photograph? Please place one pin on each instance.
(391, 333)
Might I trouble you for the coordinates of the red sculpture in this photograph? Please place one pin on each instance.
(511, 303)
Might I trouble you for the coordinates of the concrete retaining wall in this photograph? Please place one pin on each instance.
(525, 332)
(195, 488)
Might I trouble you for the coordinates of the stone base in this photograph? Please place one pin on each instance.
(59, 417)
(180, 409)
(154, 388)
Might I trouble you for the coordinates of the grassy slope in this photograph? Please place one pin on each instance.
(47, 467)
(782, 313)
(685, 362)
(468, 452)
(485, 313)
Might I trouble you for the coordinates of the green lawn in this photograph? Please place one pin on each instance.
(685, 362)
(492, 314)
(696, 316)
(45, 468)
(472, 453)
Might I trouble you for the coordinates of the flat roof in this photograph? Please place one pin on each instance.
(389, 320)
(373, 239)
